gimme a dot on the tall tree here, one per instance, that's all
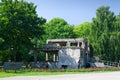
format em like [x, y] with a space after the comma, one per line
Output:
[115, 39]
[102, 27]
[19, 23]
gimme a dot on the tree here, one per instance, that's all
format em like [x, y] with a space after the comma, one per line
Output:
[83, 30]
[115, 39]
[19, 23]
[101, 33]
[58, 28]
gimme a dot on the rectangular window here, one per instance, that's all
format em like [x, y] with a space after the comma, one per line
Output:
[73, 44]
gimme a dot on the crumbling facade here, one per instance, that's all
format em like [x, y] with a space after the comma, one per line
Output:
[67, 53]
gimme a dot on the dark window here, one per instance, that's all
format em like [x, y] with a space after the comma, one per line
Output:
[80, 44]
[64, 66]
[73, 44]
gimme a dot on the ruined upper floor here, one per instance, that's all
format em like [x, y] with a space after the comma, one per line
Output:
[65, 43]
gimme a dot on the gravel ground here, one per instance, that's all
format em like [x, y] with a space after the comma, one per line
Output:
[86, 76]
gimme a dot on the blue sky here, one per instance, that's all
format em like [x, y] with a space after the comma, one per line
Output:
[73, 11]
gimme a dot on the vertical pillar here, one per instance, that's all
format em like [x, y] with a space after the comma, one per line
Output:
[46, 56]
[88, 51]
[78, 45]
[68, 44]
[57, 57]
[83, 45]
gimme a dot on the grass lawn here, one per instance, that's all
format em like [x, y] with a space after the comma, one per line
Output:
[45, 72]
[19, 73]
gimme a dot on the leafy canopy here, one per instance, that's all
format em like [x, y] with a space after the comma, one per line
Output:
[19, 23]
[83, 30]
[59, 28]
[105, 34]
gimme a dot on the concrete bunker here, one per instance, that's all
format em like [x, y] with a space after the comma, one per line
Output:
[67, 53]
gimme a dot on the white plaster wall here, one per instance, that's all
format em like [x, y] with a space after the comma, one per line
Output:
[68, 57]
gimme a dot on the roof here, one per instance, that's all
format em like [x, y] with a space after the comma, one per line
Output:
[67, 40]
[50, 47]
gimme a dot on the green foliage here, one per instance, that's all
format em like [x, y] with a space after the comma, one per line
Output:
[21, 30]
[58, 28]
[105, 34]
[19, 23]
[1, 41]
[5, 55]
[83, 30]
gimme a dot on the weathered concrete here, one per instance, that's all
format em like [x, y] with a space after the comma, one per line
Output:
[69, 53]
[69, 57]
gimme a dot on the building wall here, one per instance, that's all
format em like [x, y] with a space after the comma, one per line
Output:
[74, 53]
[68, 57]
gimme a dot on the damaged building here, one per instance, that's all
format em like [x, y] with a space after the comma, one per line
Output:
[67, 53]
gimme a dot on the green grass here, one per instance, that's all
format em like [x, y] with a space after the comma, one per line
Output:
[19, 73]
[45, 72]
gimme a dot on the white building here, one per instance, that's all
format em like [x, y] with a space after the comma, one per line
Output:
[67, 53]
